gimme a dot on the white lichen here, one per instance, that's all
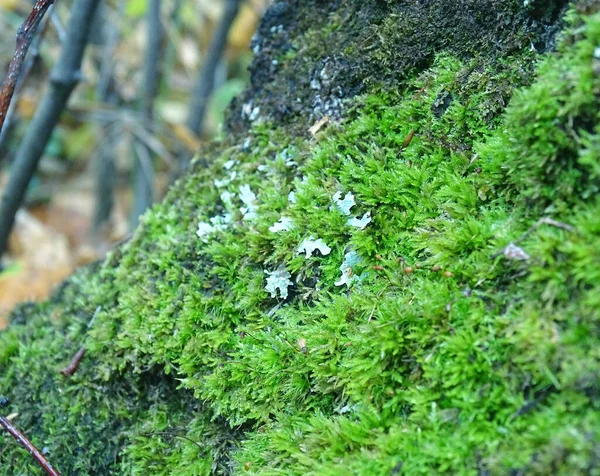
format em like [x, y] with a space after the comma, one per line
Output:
[351, 259]
[229, 164]
[278, 280]
[292, 197]
[288, 155]
[220, 183]
[310, 245]
[217, 223]
[204, 230]
[248, 198]
[360, 222]
[344, 204]
[249, 112]
[283, 224]
[227, 199]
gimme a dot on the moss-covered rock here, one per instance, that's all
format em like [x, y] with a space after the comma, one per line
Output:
[415, 290]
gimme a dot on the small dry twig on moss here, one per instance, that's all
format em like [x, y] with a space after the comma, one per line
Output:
[72, 367]
[74, 364]
[25, 443]
[25, 36]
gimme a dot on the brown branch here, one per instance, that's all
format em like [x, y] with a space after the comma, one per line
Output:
[25, 35]
[72, 367]
[74, 364]
[25, 443]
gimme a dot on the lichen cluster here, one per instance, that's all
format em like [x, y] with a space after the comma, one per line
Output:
[414, 291]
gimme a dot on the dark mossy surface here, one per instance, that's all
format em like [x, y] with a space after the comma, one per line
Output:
[418, 344]
[313, 55]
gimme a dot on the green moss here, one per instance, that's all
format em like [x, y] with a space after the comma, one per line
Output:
[442, 356]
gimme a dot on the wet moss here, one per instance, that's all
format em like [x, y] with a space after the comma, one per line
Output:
[449, 351]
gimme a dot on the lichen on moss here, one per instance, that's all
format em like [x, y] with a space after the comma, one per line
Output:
[411, 344]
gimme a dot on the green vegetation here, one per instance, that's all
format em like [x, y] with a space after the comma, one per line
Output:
[447, 351]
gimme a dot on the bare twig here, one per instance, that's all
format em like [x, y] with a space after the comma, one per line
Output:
[25, 36]
[74, 364]
[58, 27]
[206, 77]
[34, 53]
[64, 77]
[107, 93]
[25, 443]
[172, 33]
[143, 173]
[205, 82]
[144, 161]
[152, 143]
[153, 57]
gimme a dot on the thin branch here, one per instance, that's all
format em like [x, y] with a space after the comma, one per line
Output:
[70, 369]
[143, 174]
[107, 93]
[172, 33]
[64, 77]
[25, 36]
[205, 83]
[153, 57]
[206, 78]
[152, 143]
[25, 443]
[106, 80]
[143, 181]
[58, 26]
[34, 53]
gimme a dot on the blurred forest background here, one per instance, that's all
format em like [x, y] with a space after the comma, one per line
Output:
[131, 126]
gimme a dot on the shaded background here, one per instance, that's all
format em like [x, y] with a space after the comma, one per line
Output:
[58, 227]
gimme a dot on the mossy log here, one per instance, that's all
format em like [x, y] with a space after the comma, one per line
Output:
[410, 287]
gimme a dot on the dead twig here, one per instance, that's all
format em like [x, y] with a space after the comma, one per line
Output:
[70, 369]
[34, 55]
[25, 36]
[25, 443]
